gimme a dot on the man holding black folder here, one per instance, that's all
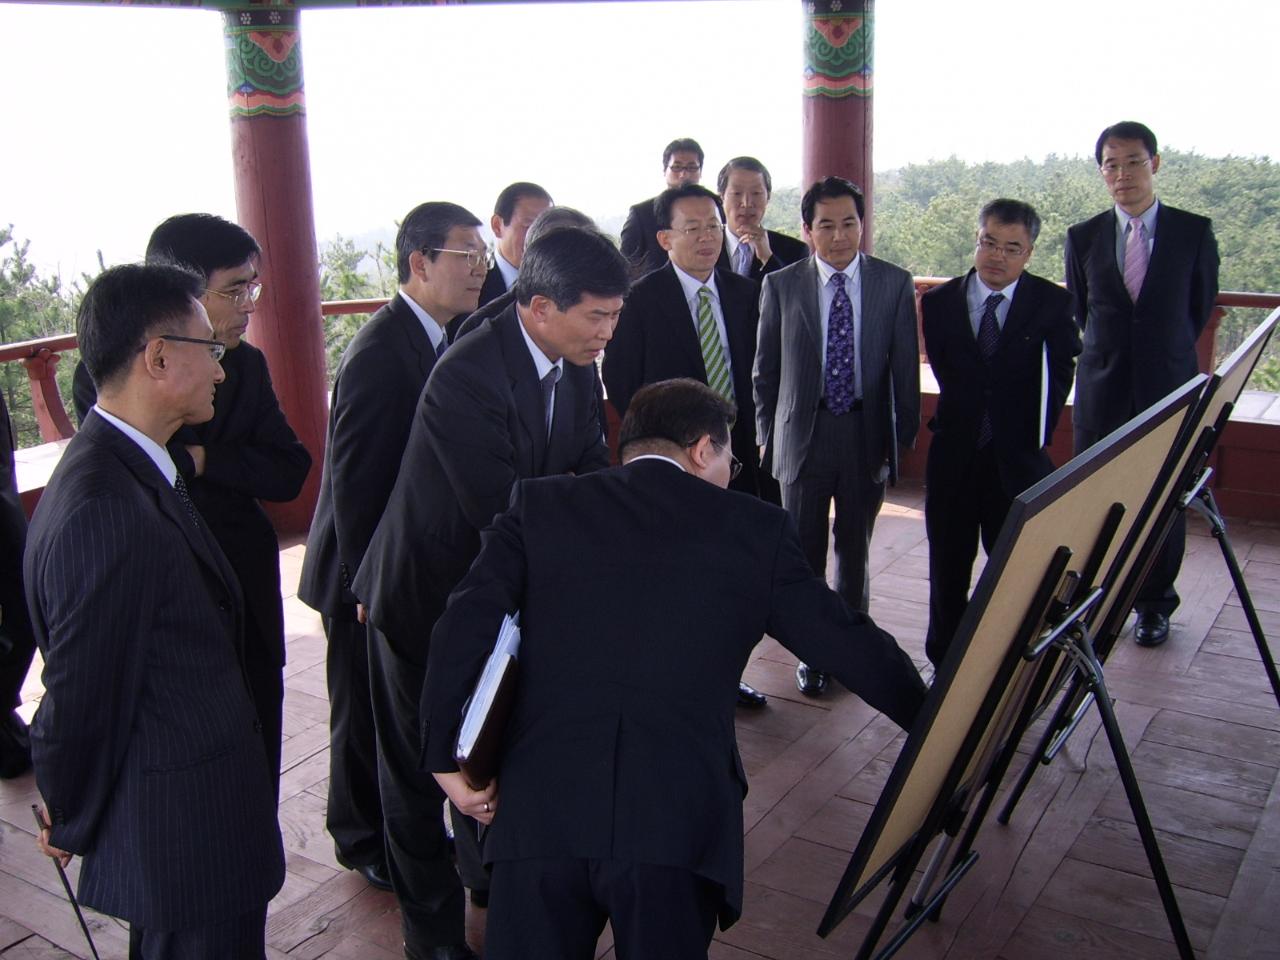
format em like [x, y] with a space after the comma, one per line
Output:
[619, 792]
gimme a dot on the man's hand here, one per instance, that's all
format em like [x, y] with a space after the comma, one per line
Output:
[362, 615]
[758, 239]
[480, 804]
[42, 840]
[197, 457]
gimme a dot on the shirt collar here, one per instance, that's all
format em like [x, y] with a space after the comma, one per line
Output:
[508, 271]
[691, 285]
[1148, 218]
[158, 454]
[982, 291]
[434, 329]
[540, 361]
[826, 271]
[658, 456]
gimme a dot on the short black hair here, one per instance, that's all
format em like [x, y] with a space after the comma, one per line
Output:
[743, 163]
[679, 412]
[829, 188]
[664, 203]
[564, 264]
[682, 145]
[425, 228]
[1013, 212]
[127, 305]
[556, 218]
[1126, 130]
[202, 241]
[505, 206]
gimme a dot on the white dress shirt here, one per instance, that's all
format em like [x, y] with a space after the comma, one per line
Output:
[158, 454]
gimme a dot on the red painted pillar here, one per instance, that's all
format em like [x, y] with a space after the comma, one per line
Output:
[273, 199]
[837, 95]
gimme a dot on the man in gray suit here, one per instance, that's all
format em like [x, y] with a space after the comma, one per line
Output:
[837, 387]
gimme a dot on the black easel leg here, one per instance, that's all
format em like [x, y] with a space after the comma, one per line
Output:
[1208, 508]
[1139, 808]
[1040, 755]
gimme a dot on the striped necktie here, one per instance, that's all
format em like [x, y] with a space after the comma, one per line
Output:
[718, 376]
[1136, 258]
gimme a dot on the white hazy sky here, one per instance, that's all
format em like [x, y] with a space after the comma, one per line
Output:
[116, 117]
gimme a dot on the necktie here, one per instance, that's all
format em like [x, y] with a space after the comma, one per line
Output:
[718, 375]
[441, 347]
[1136, 258]
[180, 488]
[839, 383]
[548, 396]
[988, 338]
[743, 258]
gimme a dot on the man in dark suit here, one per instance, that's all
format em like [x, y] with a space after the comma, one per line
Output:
[671, 328]
[517, 206]
[1002, 344]
[837, 384]
[1144, 276]
[619, 792]
[17, 642]
[246, 453]
[681, 164]
[515, 398]
[750, 250]
[147, 747]
[375, 392]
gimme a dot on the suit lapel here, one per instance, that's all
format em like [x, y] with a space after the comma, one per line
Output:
[1021, 310]
[737, 327]
[679, 321]
[416, 339]
[871, 337]
[1104, 247]
[526, 389]
[810, 312]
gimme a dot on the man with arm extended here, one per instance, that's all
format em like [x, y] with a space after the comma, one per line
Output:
[1002, 344]
[1144, 276]
[440, 261]
[837, 385]
[515, 398]
[619, 792]
[147, 748]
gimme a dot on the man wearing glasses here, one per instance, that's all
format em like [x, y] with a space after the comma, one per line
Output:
[514, 398]
[692, 319]
[681, 164]
[247, 452]
[1144, 276]
[837, 384]
[1002, 344]
[147, 744]
[440, 263]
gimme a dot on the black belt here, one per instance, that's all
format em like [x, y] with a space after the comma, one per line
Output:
[855, 407]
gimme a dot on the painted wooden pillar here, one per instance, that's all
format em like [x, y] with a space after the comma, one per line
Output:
[837, 95]
[273, 200]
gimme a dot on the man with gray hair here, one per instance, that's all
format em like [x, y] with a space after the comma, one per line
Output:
[1002, 344]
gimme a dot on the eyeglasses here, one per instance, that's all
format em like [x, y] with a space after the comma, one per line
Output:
[1113, 168]
[684, 167]
[1010, 250]
[712, 229]
[475, 258]
[242, 297]
[217, 349]
[735, 465]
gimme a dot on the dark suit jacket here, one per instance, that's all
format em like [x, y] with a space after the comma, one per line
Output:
[1039, 339]
[251, 454]
[16, 640]
[479, 427]
[786, 251]
[1135, 353]
[145, 744]
[626, 693]
[494, 288]
[788, 372]
[657, 339]
[639, 242]
[375, 392]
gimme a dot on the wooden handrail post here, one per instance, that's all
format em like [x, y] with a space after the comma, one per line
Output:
[46, 400]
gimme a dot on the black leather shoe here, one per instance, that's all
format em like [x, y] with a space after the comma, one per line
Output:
[749, 696]
[455, 951]
[376, 874]
[810, 682]
[480, 898]
[1152, 629]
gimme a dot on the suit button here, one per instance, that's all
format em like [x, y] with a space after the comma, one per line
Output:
[224, 606]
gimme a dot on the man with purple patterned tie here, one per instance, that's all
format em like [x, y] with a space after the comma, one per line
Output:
[837, 388]
[1144, 276]
[1002, 344]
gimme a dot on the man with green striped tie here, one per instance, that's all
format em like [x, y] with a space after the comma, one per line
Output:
[692, 319]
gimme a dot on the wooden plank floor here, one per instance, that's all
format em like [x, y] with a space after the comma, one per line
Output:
[1066, 879]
